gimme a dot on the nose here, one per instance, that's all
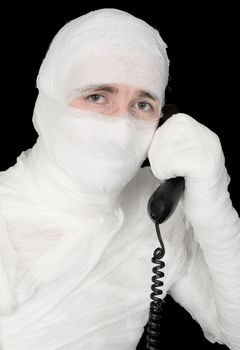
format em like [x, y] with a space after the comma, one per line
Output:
[120, 107]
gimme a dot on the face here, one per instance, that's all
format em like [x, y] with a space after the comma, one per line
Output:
[118, 99]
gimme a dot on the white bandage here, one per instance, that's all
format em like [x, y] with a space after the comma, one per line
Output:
[104, 46]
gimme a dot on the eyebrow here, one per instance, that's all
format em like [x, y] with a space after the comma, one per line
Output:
[113, 90]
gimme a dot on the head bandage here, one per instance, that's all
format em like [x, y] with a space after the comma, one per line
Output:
[104, 46]
[101, 47]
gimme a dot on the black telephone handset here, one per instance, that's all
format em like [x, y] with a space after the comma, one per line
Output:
[164, 199]
[160, 207]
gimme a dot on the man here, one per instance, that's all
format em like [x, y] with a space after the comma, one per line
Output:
[75, 236]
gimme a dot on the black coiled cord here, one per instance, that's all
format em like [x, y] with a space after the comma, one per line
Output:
[153, 329]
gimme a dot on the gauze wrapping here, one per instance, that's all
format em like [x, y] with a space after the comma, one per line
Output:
[90, 152]
[61, 203]
[94, 153]
[185, 147]
[217, 228]
[104, 46]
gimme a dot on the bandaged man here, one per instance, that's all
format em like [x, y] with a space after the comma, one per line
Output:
[76, 240]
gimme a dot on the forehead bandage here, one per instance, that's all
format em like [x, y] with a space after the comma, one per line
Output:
[102, 47]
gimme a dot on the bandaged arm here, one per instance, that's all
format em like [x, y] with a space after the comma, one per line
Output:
[8, 262]
[209, 283]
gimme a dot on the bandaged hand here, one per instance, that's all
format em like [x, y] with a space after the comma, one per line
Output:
[184, 147]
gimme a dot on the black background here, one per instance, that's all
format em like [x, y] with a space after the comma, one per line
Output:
[202, 47]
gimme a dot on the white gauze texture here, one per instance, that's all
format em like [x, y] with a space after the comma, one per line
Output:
[185, 147]
[104, 46]
[61, 203]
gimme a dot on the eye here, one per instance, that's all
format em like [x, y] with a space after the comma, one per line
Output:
[144, 106]
[96, 98]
